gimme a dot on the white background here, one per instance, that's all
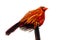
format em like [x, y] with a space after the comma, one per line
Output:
[11, 11]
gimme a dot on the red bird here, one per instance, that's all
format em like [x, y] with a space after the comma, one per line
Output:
[31, 20]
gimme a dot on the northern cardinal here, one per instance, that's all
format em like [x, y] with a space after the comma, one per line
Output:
[31, 20]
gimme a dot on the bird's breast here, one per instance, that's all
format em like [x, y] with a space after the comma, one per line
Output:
[41, 19]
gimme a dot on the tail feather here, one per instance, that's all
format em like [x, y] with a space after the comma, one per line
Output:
[12, 29]
[21, 25]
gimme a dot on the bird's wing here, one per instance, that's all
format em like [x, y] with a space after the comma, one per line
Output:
[27, 15]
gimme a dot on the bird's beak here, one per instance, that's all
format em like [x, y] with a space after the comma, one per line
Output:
[45, 8]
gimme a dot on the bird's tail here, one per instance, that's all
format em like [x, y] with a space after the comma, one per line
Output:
[21, 25]
[13, 28]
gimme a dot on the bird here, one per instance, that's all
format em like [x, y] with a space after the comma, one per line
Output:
[31, 20]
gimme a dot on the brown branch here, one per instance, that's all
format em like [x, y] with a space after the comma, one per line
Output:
[37, 34]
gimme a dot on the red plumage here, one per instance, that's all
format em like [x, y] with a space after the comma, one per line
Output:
[31, 20]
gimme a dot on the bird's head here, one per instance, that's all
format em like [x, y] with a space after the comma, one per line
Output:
[43, 8]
